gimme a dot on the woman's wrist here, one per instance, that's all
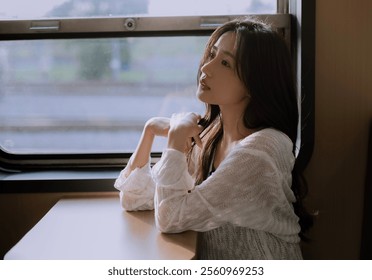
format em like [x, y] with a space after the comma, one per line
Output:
[176, 141]
[142, 153]
[148, 130]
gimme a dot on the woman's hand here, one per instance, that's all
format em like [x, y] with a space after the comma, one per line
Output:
[158, 126]
[183, 128]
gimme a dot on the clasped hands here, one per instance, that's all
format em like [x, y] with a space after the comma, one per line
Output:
[180, 129]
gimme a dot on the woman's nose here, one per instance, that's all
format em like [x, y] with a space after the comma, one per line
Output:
[206, 69]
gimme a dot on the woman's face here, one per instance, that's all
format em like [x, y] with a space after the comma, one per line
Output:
[219, 83]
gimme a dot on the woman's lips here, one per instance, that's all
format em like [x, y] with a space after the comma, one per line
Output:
[204, 86]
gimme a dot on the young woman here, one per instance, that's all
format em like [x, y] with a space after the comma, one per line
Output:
[230, 175]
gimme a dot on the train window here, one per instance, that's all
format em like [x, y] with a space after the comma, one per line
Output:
[79, 78]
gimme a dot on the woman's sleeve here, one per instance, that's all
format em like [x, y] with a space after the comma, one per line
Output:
[136, 188]
[246, 190]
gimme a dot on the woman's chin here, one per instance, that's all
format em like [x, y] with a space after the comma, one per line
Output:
[202, 96]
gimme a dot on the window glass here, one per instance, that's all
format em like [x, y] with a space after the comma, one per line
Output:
[93, 95]
[88, 8]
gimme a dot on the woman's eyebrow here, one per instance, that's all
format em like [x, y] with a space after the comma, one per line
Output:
[214, 48]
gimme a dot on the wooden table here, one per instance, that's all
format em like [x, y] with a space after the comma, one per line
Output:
[97, 228]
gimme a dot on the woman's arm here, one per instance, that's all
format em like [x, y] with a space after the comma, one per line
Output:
[157, 126]
[135, 182]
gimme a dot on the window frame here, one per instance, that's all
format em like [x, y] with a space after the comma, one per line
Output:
[295, 19]
[73, 28]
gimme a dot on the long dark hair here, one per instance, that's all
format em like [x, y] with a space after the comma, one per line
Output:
[263, 64]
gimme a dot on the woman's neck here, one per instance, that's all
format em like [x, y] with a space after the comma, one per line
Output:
[233, 132]
[233, 127]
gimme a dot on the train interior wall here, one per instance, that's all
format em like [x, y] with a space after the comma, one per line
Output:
[337, 170]
[336, 173]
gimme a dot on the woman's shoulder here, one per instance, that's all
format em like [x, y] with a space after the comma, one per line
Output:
[268, 140]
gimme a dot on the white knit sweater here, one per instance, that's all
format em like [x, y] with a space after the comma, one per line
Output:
[242, 211]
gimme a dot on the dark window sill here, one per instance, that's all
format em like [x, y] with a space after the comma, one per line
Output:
[58, 181]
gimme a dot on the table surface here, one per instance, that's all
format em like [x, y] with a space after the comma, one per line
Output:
[98, 228]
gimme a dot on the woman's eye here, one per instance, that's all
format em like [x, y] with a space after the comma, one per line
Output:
[225, 63]
[211, 55]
